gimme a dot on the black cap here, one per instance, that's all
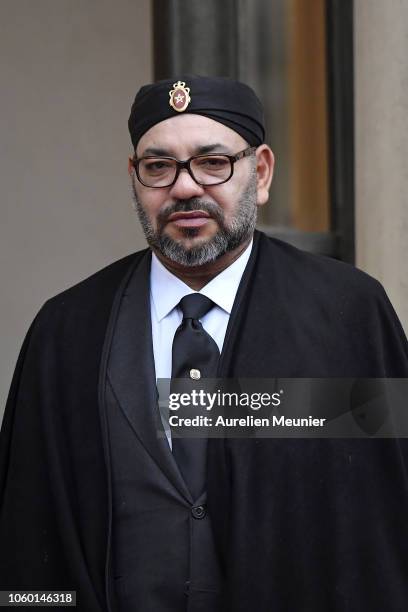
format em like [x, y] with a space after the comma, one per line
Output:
[225, 100]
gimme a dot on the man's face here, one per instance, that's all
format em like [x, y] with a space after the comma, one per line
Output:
[186, 222]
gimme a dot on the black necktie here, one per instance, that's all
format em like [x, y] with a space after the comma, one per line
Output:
[195, 356]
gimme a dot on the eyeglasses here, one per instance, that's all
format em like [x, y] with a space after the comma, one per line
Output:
[205, 170]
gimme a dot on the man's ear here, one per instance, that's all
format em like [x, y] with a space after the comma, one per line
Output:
[130, 166]
[264, 172]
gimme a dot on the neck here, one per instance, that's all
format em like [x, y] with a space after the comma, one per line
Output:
[197, 277]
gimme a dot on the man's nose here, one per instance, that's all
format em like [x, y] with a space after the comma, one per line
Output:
[185, 187]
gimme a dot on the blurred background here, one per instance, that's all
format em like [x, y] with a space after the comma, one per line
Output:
[333, 77]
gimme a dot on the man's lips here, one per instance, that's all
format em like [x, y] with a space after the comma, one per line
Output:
[192, 218]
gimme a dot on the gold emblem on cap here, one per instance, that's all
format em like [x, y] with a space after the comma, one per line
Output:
[179, 96]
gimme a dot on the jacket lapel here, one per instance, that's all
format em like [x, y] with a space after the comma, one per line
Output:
[131, 372]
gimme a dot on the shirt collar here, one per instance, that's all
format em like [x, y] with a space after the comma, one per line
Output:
[167, 289]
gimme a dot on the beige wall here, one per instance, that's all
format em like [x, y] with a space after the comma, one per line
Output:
[381, 90]
[68, 71]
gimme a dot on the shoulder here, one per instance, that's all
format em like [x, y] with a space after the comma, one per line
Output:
[316, 274]
[102, 280]
[334, 301]
[308, 284]
[91, 299]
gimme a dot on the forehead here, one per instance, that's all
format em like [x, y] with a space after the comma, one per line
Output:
[188, 133]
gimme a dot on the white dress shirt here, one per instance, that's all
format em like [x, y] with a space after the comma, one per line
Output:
[166, 291]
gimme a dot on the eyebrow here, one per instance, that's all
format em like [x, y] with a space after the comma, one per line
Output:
[199, 150]
[212, 148]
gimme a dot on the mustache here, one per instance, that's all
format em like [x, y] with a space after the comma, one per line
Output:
[213, 210]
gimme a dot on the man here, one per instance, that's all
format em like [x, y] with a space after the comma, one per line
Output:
[94, 500]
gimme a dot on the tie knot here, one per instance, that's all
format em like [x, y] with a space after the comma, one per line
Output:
[195, 305]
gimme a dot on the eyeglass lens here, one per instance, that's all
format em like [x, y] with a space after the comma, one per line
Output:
[207, 170]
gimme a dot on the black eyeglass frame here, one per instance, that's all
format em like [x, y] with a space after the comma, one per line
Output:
[186, 164]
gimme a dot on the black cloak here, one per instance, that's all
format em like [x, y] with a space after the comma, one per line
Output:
[301, 525]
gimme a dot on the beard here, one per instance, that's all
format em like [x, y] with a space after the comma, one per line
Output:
[228, 237]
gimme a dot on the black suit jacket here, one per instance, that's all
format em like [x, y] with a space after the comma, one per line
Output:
[274, 504]
[163, 557]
